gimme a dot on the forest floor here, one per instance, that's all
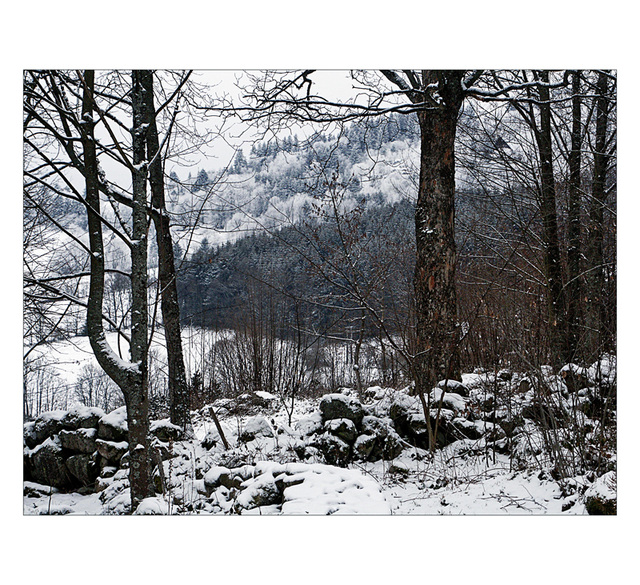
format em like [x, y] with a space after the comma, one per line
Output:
[466, 477]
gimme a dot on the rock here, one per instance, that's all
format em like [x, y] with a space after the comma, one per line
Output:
[165, 431]
[211, 439]
[37, 490]
[154, 506]
[84, 468]
[387, 443]
[399, 468]
[108, 471]
[112, 451]
[376, 426]
[124, 460]
[82, 417]
[284, 481]
[342, 428]
[449, 400]
[29, 435]
[221, 476]
[82, 440]
[504, 375]
[364, 446]
[257, 426]
[310, 425]
[113, 426]
[261, 491]
[264, 399]
[334, 450]
[468, 429]
[333, 406]
[47, 465]
[454, 386]
[47, 425]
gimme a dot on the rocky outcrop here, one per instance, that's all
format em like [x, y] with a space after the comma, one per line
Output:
[83, 448]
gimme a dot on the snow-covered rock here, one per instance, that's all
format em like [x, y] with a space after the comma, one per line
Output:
[257, 426]
[333, 406]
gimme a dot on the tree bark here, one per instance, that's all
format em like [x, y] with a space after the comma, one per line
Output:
[179, 395]
[138, 398]
[131, 377]
[552, 264]
[437, 336]
[595, 254]
[574, 230]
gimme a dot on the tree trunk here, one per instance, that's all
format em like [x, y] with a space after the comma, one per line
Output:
[595, 255]
[574, 232]
[552, 264]
[138, 399]
[179, 395]
[437, 339]
[131, 377]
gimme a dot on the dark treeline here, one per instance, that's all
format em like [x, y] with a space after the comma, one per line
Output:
[300, 270]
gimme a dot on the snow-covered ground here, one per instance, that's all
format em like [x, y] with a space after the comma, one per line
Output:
[464, 478]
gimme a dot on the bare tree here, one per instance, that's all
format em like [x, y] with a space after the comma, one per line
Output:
[64, 110]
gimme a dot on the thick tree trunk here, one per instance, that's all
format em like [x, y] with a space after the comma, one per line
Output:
[179, 396]
[552, 264]
[437, 335]
[574, 231]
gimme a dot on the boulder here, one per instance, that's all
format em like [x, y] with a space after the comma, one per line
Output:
[574, 377]
[112, 451]
[342, 428]
[47, 465]
[221, 476]
[334, 450]
[453, 386]
[47, 425]
[211, 439]
[29, 434]
[364, 447]
[257, 426]
[309, 425]
[165, 430]
[83, 468]
[333, 406]
[36, 490]
[261, 491]
[82, 440]
[379, 440]
[113, 426]
[82, 417]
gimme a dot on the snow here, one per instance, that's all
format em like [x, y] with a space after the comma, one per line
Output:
[468, 477]
[152, 507]
[117, 418]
